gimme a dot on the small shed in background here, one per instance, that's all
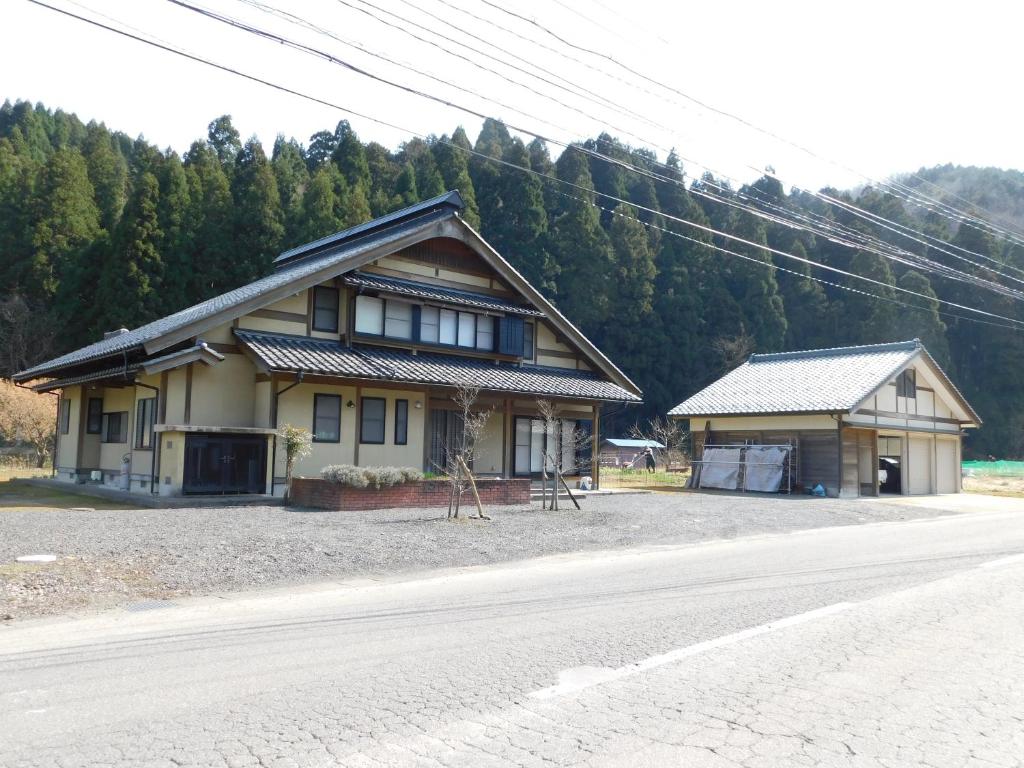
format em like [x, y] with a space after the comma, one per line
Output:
[620, 451]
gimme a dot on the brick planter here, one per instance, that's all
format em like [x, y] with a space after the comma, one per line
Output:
[314, 492]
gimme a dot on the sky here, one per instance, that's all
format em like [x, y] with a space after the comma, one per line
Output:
[837, 93]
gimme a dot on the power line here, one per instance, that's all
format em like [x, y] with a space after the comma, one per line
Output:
[352, 112]
[243, 26]
[963, 217]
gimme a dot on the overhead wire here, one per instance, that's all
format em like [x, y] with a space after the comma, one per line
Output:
[912, 196]
[1016, 324]
[933, 267]
[853, 209]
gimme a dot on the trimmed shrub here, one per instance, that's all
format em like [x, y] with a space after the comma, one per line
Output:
[372, 477]
[383, 477]
[344, 474]
[411, 475]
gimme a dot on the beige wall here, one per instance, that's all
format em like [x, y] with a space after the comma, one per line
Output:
[223, 394]
[175, 411]
[760, 423]
[389, 454]
[295, 407]
[489, 448]
[262, 393]
[544, 340]
[115, 400]
[67, 445]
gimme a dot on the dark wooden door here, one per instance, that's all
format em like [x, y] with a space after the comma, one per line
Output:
[225, 464]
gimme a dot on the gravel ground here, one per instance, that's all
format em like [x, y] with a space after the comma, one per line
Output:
[118, 556]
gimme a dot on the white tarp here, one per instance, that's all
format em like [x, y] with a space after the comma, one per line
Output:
[720, 468]
[763, 468]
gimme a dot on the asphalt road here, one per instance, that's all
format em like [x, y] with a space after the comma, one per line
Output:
[885, 644]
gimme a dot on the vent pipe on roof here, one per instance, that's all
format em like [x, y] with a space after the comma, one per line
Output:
[112, 334]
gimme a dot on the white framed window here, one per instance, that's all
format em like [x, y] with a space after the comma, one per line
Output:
[449, 326]
[369, 315]
[467, 329]
[430, 325]
[398, 320]
[485, 333]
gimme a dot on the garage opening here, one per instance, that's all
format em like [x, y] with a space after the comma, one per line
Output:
[890, 460]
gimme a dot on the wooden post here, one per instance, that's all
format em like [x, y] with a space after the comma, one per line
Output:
[472, 487]
[508, 440]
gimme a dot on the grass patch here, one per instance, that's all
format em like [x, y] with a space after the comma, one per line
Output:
[612, 477]
[994, 485]
[15, 495]
[14, 473]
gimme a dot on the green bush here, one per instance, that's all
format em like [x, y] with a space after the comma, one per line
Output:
[372, 477]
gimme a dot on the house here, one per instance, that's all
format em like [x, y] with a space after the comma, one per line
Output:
[618, 451]
[856, 420]
[362, 337]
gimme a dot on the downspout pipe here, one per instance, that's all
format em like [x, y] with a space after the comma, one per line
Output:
[153, 477]
[273, 459]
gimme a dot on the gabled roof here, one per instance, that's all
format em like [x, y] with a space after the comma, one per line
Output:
[450, 201]
[311, 264]
[435, 293]
[331, 358]
[257, 294]
[619, 442]
[812, 381]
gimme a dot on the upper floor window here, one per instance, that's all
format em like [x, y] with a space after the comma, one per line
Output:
[429, 325]
[528, 341]
[906, 383]
[369, 315]
[325, 309]
[398, 320]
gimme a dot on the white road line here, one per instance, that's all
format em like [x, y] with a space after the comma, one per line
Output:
[581, 678]
[1003, 561]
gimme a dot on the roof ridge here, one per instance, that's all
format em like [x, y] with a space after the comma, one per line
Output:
[892, 346]
[450, 199]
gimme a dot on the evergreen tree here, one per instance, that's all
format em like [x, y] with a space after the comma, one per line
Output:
[292, 177]
[66, 222]
[453, 165]
[224, 139]
[108, 172]
[865, 319]
[320, 204]
[924, 323]
[211, 216]
[131, 275]
[175, 239]
[405, 187]
[258, 222]
[581, 252]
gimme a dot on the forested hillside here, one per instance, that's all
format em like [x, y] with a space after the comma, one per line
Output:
[98, 231]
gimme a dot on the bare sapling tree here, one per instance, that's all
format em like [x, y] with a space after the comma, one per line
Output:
[458, 457]
[667, 432]
[565, 441]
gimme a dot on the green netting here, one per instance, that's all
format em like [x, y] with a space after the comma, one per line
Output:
[997, 468]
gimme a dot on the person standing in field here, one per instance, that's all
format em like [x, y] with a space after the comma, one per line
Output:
[649, 459]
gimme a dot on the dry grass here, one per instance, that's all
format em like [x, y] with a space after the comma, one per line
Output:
[612, 477]
[995, 486]
[14, 473]
[74, 584]
[16, 495]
